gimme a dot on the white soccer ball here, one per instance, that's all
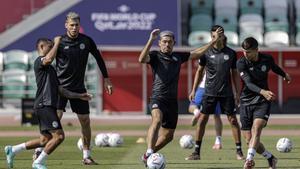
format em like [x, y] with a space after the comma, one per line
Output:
[156, 161]
[80, 144]
[284, 145]
[186, 142]
[115, 140]
[101, 140]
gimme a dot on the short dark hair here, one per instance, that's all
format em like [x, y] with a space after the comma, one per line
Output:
[40, 40]
[215, 27]
[250, 43]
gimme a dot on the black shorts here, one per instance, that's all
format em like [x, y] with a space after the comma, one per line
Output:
[169, 109]
[209, 104]
[78, 106]
[250, 112]
[48, 119]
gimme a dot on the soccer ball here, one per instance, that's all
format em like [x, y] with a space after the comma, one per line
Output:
[156, 161]
[80, 144]
[284, 145]
[115, 140]
[186, 142]
[101, 140]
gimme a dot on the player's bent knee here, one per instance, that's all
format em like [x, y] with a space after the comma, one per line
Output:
[234, 122]
[84, 120]
[44, 140]
[156, 121]
[60, 138]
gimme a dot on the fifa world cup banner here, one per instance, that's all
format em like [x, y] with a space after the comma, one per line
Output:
[111, 22]
[129, 22]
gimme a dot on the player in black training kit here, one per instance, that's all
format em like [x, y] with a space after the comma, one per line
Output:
[256, 98]
[45, 106]
[219, 63]
[71, 61]
[165, 68]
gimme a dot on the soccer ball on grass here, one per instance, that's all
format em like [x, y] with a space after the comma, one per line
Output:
[186, 142]
[156, 161]
[284, 145]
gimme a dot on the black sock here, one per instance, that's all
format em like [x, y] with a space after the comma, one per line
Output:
[198, 147]
[271, 158]
[238, 147]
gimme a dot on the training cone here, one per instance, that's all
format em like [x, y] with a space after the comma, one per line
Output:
[140, 140]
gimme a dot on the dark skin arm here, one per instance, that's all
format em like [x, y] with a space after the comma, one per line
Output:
[72, 95]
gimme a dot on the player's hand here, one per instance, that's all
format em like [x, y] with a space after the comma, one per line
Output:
[154, 34]
[86, 96]
[217, 34]
[108, 86]
[192, 96]
[287, 78]
[270, 96]
[57, 39]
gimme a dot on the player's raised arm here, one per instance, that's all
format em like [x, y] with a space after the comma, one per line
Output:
[47, 60]
[197, 53]
[144, 55]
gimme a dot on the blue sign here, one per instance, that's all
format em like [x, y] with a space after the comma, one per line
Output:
[111, 22]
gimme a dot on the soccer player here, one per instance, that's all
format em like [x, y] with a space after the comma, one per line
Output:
[165, 68]
[256, 98]
[45, 104]
[219, 63]
[196, 98]
[195, 103]
[71, 61]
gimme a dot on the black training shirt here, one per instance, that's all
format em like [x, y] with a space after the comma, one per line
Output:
[47, 84]
[71, 60]
[218, 64]
[166, 69]
[255, 77]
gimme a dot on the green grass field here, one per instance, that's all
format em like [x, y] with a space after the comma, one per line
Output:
[67, 156]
